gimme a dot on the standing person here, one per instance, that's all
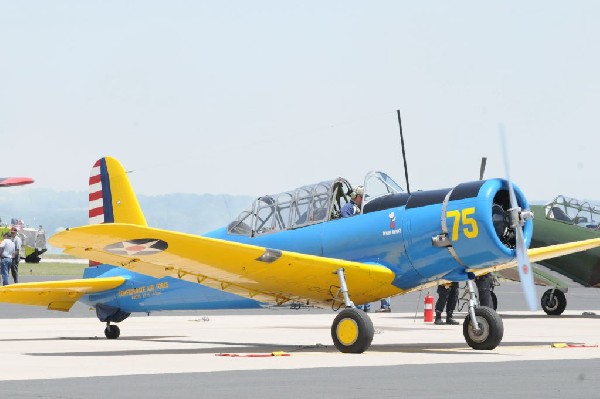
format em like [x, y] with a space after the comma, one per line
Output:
[384, 306]
[484, 287]
[7, 249]
[353, 207]
[448, 297]
[14, 268]
[366, 307]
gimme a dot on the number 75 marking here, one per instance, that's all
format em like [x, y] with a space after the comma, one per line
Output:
[470, 229]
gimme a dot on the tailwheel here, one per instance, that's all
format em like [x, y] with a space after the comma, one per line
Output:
[554, 302]
[112, 331]
[490, 332]
[352, 331]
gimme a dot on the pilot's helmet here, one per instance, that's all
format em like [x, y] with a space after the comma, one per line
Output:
[358, 190]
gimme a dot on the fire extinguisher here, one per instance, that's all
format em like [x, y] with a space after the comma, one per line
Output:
[428, 311]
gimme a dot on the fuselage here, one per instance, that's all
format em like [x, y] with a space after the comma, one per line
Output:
[142, 293]
[397, 231]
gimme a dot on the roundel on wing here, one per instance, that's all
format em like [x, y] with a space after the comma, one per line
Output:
[140, 246]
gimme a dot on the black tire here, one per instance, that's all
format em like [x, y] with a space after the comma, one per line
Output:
[352, 331]
[555, 306]
[494, 300]
[112, 331]
[490, 326]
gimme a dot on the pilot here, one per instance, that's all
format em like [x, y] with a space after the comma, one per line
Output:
[353, 207]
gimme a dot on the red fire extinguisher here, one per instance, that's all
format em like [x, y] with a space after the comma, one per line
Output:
[428, 311]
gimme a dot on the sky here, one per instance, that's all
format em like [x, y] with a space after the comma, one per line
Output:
[257, 97]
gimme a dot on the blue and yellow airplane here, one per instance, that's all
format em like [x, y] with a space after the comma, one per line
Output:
[294, 247]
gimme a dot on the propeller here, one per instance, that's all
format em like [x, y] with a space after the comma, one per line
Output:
[517, 220]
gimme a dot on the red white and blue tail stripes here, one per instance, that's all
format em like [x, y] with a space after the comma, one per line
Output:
[101, 209]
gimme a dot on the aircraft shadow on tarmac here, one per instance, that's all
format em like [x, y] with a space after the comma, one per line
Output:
[241, 348]
[517, 316]
[545, 316]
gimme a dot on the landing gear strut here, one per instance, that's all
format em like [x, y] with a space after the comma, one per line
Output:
[352, 330]
[483, 328]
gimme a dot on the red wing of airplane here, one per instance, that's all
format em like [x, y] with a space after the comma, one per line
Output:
[15, 181]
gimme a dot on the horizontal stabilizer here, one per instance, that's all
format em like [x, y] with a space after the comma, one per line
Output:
[56, 295]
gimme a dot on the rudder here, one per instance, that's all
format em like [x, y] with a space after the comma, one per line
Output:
[111, 197]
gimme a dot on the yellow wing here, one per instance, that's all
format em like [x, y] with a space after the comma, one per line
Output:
[56, 295]
[543, 253]
[251, 271]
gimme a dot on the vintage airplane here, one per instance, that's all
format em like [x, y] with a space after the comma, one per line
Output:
[34, 240]
[294, 247]
[15, 181]
[561, 220]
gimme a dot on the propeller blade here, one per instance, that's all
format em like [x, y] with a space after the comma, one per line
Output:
[517, 222]
[482, 167]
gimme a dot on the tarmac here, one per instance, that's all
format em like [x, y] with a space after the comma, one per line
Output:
[284, 352]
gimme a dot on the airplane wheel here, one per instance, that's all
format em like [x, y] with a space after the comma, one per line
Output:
[491, 329]
[494, 300]
[112, 331]
[352, 331]
[556, 305]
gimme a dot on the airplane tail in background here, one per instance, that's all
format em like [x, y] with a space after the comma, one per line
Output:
[112, 199]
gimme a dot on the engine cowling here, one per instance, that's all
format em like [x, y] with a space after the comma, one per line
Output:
[467, 226]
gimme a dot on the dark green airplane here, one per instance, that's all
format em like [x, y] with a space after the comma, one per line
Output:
[562, 220]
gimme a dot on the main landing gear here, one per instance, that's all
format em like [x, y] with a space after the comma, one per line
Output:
[352, 330]
[554, 302]
[483, 328]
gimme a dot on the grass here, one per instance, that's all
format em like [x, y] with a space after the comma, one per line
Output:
[51, 269]
[53, 265]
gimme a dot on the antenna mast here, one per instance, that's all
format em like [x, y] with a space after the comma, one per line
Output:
[403, 153]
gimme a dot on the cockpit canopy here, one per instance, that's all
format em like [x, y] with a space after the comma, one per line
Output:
[573, 211]
[307, 205]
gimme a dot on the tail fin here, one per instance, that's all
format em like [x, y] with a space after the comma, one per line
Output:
[112, 199]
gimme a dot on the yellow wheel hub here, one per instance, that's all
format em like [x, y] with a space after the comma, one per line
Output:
[347, 331]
